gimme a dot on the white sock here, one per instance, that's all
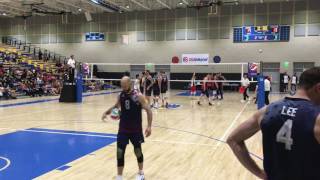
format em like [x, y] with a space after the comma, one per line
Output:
[119, 177]
[141, 172]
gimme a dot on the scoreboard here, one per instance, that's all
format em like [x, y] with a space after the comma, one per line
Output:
[269, 33]
[95, 36]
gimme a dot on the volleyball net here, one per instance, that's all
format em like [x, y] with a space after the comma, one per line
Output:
[99, 76]
[179, 75]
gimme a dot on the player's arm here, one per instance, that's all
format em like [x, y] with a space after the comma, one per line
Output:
[317, 129]
[146, 107]
[116, 105]
[237, 142]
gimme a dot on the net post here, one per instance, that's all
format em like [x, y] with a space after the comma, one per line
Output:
[242, 71]
[79, 87]
[91, 71]
[260, 93]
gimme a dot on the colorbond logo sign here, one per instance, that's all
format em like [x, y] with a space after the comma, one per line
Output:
[195, 58]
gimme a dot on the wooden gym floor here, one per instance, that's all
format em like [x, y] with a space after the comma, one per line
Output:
[187, 143]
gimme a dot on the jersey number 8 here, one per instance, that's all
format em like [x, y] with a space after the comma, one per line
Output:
[284, 134]
[127, 104]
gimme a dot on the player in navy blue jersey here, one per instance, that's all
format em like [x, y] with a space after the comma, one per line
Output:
[291, 134]
[131, 103]
[148, 86]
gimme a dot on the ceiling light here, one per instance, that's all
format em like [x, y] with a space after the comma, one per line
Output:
[127, 6]
[180, 3]
[79, 9]
[4, 14]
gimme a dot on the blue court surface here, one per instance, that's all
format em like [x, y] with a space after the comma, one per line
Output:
[27, 154]
[187, 93]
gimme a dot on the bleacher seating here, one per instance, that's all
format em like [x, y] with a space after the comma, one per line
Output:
[13, 59]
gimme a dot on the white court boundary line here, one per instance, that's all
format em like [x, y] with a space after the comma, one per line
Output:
[7, 165]
[222, 138]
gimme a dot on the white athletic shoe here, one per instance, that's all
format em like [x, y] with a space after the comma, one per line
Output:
[242, 101]
[119, 178]
[140, 177]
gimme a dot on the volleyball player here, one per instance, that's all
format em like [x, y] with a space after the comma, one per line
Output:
[286, 79]
[164, 89]
[209, 86]
[148, 86]
[130, 127]
[214, 86]
[220, 78]
[290, 134]
[245, 83]
[193, 88]
[156, 91]
[204, 90]
[136, 85]
[294, 81]
[142, 83]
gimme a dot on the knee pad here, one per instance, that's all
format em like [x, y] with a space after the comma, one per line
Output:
[138, 153]
[120, 155]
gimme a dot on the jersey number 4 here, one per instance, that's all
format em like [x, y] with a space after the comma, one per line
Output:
[284, 134]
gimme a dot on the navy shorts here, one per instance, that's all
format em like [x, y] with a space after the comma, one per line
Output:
[135, 138]
[156, 92]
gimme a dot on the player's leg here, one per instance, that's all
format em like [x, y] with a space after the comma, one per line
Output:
[156, 101]
[201, 97]
[215, 94]
[148, 97]
[209, 96]
[220, 92]
[285, 87]
[193, 91]
[266, 93]
[164, 99]
[244, 95]
[139, 156]
[121, 149]
[137, 139]
[122, 141]
[158, 96]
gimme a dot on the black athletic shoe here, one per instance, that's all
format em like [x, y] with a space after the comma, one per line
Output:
[199, 103]
[210, 104]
